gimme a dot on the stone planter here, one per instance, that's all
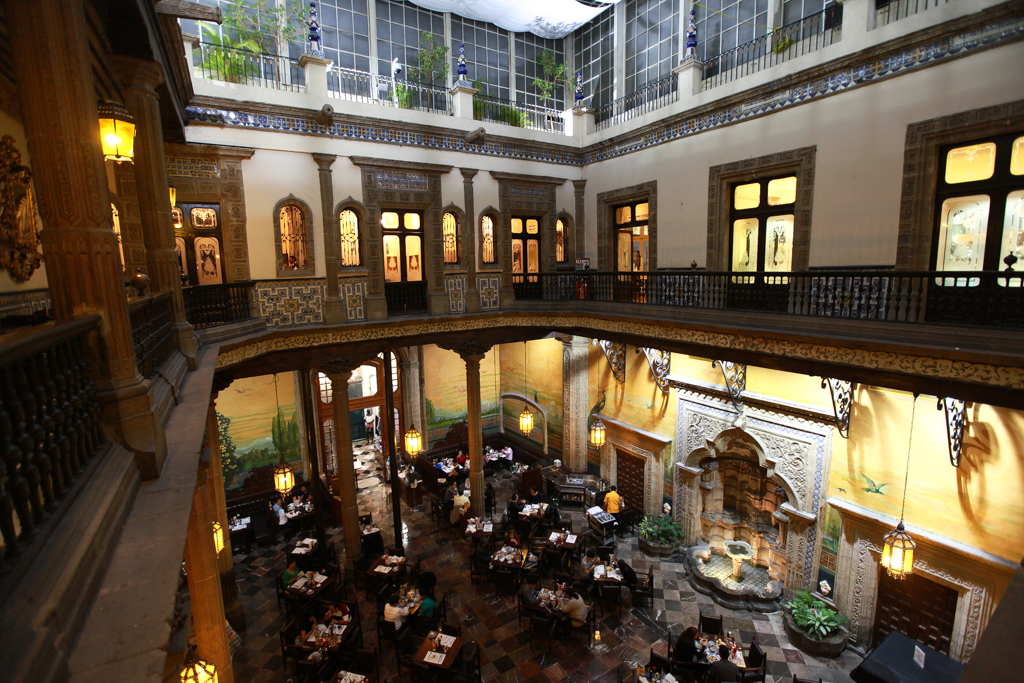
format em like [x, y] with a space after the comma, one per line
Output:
[831, 647]
[658, 549]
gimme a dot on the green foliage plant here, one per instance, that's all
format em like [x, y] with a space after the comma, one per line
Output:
[431, 61]
[230, 466]
[814, 617]
[265, 23]
[228, 59]
[662, 529]
[553, 76]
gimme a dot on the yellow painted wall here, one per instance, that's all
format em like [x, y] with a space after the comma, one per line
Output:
[541, 361]
[444, 387]
[981, 503]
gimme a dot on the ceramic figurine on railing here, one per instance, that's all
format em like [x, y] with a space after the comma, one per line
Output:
[316, 44]
[461, 70]
[691, 37]
[579, 90]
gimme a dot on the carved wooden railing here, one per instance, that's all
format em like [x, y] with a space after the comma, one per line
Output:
[978, 299]
[207, 305]
[49, 424]
[151, 331]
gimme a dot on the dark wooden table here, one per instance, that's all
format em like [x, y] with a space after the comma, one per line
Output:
[340, 677]
[893, 660]
[449, 657]
[564, 545]
[301, 592]
[517, 561]
[392, 570]
[606, 579]
[345, 636]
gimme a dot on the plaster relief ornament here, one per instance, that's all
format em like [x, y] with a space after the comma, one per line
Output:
[19, 240]
[316, 45]
[824, 587]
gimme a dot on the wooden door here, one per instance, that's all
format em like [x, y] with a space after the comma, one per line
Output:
[916, 607]
[630, 479]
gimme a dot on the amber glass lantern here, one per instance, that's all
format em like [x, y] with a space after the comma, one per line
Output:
[117, 131]
[284, 477]
[597, 432]
[173, 193]
[198, 671]
[898, 552]
[413, 442]
[526, 421]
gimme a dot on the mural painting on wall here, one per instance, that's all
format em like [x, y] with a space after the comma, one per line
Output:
[253, 430]
[444, 376]
[540, 371]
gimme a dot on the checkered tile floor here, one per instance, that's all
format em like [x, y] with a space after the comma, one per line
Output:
[507, 655]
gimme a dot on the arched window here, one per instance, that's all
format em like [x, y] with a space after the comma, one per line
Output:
[451, 234]
[560, 241]
[330, 447]
[487, 239]
[293, 238]
[349, 224]
[115, 220]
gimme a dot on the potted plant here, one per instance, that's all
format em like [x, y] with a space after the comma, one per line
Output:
[660, 535]
[814, 627]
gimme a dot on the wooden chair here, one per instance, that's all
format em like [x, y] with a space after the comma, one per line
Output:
[757, 663]
[543, 627]
[612, 595]
[711, 626]
[644, 589]
[661, 663]
[424, 673]
[588, 627]
[505, 578]
[386, 632]
[366, 663]
[466, 668]
[479, 568]
[407, 648]
[361, 567]
[605, 551]
[451, 629]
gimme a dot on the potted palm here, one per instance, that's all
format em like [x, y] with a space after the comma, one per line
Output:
[814, 627]
[660, 536]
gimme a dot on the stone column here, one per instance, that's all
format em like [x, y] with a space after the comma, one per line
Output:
[411, 396]
[83, 265]
[472, 353]
[338, 370]
[575, 392]
[140, 79]
[225, 558]
[334, 307]
[469, 242]
[580, 238]
[204, 586]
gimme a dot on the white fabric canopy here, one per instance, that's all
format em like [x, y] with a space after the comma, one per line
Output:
[545, 18]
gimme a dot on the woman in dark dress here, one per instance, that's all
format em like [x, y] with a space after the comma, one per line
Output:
[685, 650]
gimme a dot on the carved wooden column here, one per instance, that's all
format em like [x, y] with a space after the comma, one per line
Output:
[469, 242]
[338, 370]
[204, 585]
[575, 394]
[472, 353]
[58, 105]
[225, 558]
[334, 306]
[580, 238]
[140, 79]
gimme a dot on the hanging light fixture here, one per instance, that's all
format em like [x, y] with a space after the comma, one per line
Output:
[197, 670]
[117, 131]
[218, 537]
[284, 475]
[176, 217]
[413, 442]
[525, 417]
[897, 545]
[597, 428]
[173, 192]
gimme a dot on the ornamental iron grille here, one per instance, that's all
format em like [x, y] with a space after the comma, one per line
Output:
[735, 375]
[956, 417]
[616, 355]
[842, 401]
[487, 237]
[660, 363]
[349, 225]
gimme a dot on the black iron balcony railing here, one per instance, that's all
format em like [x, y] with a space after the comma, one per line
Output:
[151, 331]
[49, 425]
[235, 65]
[654, 95]
[519, 114]
[406, 297]
[207, 305]
[978, 299]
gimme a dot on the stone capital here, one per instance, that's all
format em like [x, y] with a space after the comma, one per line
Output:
[341, 365]
[469, 350]
[324, 161]
[313, 59]
[468, 174]
[579, 185]
[137, 74]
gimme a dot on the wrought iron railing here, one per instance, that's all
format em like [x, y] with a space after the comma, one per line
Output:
[234, 65]
[888, 11]
[151, 331]
[785, 43]
[979, 299]
[49, 426]
[207, 305]
[406, 297]
[654, 95]
[519, 114]
[360, 86]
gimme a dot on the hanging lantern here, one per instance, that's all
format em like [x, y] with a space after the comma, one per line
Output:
[526, 421]
[218, 537]
[174, 195]
[176, 217]
[597, 432]
[198, 671]
[117, 131]
[898, 552]
[284, 477]
[413, 442]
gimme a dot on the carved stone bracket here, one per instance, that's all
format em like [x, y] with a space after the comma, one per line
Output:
[735, 375]
[469, 348]
[956, 415]
[660, 363]
[19, 239]
[616, 355]
[842, 398]
[341, 365]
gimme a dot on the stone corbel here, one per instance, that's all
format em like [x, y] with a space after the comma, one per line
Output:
[799, 519]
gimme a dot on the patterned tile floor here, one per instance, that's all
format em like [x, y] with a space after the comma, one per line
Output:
[507, 654]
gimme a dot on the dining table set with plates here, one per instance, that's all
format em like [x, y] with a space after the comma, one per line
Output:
[309, 584]
[510, 556]
[534, 511]
[562, 539]
[439, 649]
[607, 573]
[349, 677]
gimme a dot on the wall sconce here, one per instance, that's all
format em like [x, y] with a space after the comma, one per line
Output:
[117, 131]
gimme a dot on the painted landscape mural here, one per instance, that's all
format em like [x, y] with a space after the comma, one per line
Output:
[537, 368]
[444, 378]
[253, 431]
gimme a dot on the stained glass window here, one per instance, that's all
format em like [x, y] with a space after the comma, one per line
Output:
[487, 239]
[293, 238]
[971, 163]
[349, 238]
[962, 233]
[560, 241]
[450, 236]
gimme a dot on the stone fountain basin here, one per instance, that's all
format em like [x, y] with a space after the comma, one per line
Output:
[738, 550]
[766, 601]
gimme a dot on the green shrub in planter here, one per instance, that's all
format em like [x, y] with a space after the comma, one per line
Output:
[811, 615]
[662, 529]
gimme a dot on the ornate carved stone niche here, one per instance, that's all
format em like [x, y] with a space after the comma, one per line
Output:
[772, 473]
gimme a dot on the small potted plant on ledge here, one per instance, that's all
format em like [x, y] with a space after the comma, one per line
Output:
[815, 628]
[660, 536]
